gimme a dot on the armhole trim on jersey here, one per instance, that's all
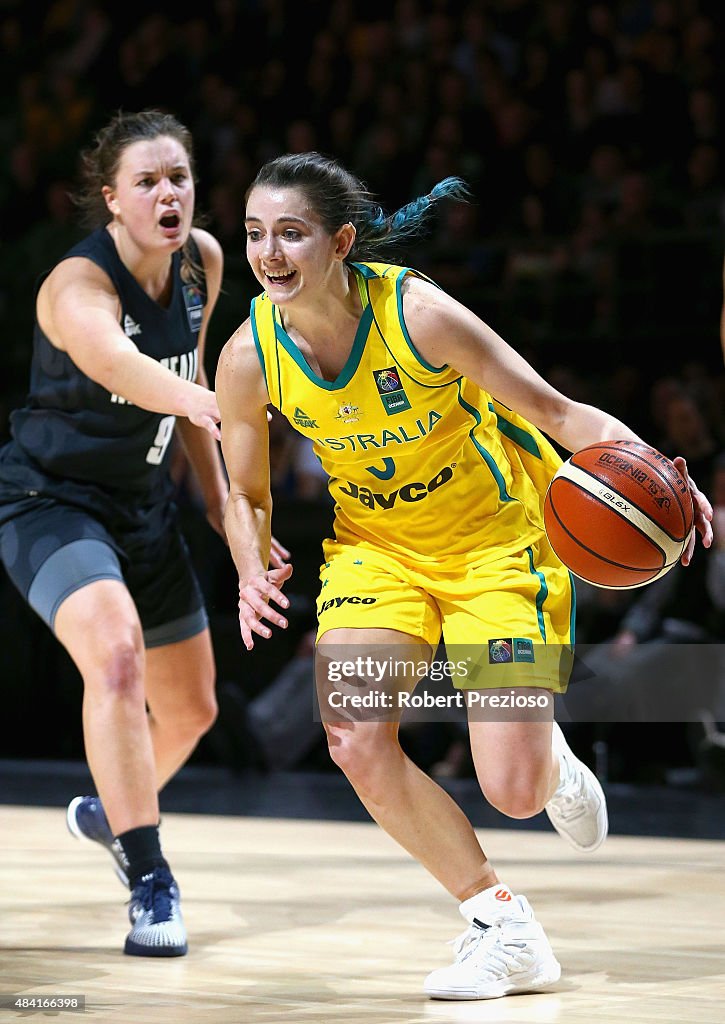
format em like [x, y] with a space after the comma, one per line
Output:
[257, 345]
[516, 434]
[401, 319]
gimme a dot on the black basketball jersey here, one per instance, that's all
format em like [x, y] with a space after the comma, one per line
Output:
[73, 428]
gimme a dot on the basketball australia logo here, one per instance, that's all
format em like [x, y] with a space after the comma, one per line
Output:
[391, 391]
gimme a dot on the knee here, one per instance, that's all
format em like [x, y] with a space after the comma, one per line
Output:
[204, 714]
[516, 797]
[192, 717]
[119, 673]
[362, 753]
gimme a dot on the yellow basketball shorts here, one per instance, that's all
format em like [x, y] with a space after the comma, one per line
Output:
[505, 622]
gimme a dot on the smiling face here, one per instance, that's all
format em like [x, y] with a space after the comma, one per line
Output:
[288, 248]
[153, 195]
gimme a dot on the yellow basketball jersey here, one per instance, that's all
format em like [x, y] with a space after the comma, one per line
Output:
[422, 463]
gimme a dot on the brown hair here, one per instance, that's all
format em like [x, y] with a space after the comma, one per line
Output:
[338, 196]
[100, 163]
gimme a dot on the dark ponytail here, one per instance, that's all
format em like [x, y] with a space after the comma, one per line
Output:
[338, 198]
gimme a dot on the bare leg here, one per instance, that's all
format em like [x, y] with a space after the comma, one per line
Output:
[515, 766]
[99, 627]
[180, 696]
[402, 799]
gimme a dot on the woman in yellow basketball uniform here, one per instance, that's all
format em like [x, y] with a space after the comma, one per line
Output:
[438, 489]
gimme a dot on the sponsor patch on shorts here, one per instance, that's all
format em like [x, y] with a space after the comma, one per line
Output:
[507, 649]
[523, 649]
[500, 651]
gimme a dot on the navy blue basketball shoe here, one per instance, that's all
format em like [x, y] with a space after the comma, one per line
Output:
[154, 911]
[87, 820]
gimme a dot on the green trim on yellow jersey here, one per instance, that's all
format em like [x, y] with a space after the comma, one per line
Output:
[351, 364]
[521, 437]
[422, 463]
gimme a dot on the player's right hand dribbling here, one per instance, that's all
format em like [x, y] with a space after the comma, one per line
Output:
[255, 595]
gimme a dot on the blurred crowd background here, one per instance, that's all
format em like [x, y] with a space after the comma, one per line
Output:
[591, 136]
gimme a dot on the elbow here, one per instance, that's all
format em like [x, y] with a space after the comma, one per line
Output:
[255, 502]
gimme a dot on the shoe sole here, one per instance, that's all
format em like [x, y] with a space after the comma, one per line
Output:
[132, 948]
[74, 829]
[545, 975]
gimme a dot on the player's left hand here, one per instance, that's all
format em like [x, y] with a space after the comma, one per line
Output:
[703, 513]
[279, 556]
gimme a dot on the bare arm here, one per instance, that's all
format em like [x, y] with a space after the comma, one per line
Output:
[447, 333]
[78, 309]
[243, 401]
[201, 448]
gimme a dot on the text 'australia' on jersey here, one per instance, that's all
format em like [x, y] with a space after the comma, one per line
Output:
[72, 427]
[421, 461]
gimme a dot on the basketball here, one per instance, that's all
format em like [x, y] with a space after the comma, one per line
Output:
[618, 514]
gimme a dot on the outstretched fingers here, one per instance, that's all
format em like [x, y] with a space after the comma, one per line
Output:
[278, 554]
[702, 511]
[257, 600]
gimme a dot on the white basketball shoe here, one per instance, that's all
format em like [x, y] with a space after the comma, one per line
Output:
[503, 950]
[578, 808]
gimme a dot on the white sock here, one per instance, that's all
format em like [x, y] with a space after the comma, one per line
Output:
[489, 904]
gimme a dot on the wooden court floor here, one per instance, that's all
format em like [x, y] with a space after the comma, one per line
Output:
[300, 922]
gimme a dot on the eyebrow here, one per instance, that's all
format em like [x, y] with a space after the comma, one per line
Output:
[175, 167]
[283, 218]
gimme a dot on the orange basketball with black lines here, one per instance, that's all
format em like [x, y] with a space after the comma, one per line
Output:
[618, 514]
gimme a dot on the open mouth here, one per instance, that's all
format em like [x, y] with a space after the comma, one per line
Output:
[170, 221]
[281, 279]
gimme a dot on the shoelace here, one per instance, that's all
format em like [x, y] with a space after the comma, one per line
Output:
[569, 803]
[154, 894]
[475, 941]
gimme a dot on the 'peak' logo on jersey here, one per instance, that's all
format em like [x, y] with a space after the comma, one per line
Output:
[130, 327]
[391, 391]
[303, 420]
[503, 895]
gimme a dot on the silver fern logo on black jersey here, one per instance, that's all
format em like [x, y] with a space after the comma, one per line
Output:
[409, 493]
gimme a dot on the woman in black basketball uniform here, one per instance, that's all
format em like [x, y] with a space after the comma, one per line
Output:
[87, 521]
